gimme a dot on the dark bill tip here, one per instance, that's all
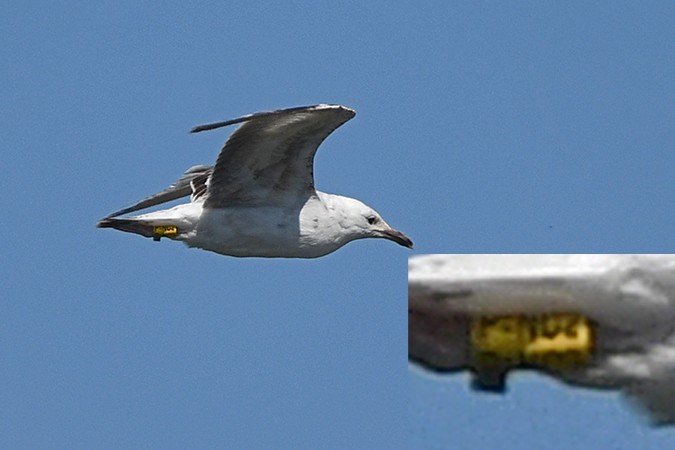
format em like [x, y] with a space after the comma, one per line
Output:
[398, 237]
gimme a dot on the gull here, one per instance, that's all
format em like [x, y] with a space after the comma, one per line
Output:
[259, 198]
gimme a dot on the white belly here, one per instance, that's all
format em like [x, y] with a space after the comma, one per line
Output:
[265, 232]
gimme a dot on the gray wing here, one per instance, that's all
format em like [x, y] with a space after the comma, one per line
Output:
[269, 160]
[192, 182]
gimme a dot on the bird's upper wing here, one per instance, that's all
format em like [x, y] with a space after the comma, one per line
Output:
[189, 183]
[269, 160]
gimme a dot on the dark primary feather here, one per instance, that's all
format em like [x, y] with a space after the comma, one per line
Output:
[246, 118]
[181, 188]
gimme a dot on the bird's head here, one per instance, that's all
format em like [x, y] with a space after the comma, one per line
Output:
[365, 222]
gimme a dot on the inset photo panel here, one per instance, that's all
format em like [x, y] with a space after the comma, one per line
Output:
[589, 322]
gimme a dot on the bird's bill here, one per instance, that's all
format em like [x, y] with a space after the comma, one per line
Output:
[397, 236]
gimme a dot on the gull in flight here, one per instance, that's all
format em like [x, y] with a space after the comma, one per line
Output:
[259, 198]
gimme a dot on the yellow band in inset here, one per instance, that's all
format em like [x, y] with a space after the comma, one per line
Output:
[166, 230]
[556, 341]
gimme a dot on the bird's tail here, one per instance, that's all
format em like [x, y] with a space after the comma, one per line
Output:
[145, 228]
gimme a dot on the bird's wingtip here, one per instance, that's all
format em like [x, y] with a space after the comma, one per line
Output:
[106, 222]
[323, 106]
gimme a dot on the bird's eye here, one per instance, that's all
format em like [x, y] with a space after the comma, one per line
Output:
[372, 220]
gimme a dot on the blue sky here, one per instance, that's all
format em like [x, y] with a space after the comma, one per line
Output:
[481, 127]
